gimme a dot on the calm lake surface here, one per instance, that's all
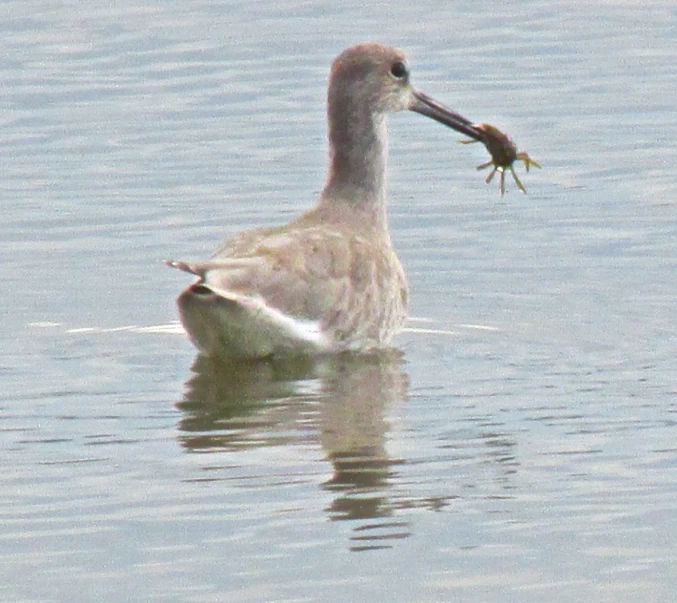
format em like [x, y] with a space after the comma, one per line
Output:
[520, 446]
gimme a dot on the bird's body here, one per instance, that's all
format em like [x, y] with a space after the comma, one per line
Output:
[312, 286]
[330, 280]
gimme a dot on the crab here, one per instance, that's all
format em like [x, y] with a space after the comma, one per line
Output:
[503, 153]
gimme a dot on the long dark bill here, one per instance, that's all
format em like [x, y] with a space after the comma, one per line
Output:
[425, 105]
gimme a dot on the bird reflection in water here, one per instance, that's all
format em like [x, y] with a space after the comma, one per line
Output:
[342, 402]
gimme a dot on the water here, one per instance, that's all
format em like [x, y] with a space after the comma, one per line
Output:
[520, 447]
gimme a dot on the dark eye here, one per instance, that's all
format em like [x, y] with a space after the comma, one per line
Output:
[398, 70]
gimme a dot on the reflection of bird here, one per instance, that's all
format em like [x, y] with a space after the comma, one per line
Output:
[240, 404]
[342, 400]
[330, 280]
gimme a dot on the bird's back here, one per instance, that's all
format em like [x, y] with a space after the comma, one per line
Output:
[314, 285]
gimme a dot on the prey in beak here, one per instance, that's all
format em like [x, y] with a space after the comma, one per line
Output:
[501, 147]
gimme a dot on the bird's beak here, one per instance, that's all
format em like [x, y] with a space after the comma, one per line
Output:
[425, 105]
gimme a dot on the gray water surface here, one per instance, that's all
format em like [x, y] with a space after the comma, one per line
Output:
[520, 443]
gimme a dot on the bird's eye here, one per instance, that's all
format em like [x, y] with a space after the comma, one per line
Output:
[398, 70]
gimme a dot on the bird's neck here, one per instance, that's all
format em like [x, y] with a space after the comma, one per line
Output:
[358, 153]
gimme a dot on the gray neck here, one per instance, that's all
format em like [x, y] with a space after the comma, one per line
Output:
[358, 151]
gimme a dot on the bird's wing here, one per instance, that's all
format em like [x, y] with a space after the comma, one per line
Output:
[318, 273]
[302, 273]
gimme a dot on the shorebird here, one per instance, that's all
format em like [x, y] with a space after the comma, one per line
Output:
[330, 280]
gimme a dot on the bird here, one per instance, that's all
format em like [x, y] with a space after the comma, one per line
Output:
[329, 281]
